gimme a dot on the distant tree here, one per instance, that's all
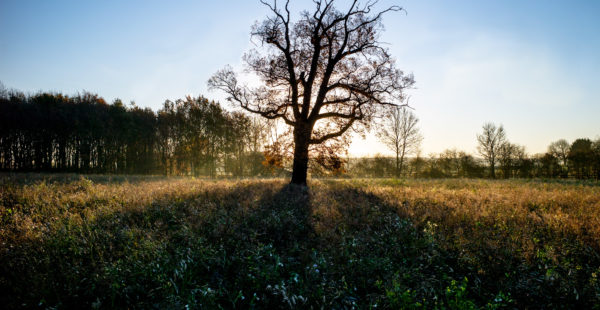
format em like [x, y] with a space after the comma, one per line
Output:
[560, 149]
[258, 131]
[323, 74]
[434, 167]
[376, 167]
[505, 158]
[449, 162]
[549, 165]
[469, 167]
[523, 164]
[489, 143]
[195, 136]
[399, 132]
[512, 159]
[3, 91]
[237, 143]
[380, 166]
[581, 156]
[258, 134]
[418, 163]
[168, 137]
[596, 158]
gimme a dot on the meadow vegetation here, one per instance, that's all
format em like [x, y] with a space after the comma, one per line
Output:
[70, 241]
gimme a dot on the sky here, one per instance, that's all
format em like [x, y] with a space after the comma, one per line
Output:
[531, 66]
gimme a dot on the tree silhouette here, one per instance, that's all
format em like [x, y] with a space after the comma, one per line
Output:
[489, 144]
[596, 158]
[399, 132]
[581, 156]
[54, 132]
[322, 74]
[560, 150]
[549, 166]
[469, 167]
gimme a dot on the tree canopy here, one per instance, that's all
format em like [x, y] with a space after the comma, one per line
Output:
[323, 74]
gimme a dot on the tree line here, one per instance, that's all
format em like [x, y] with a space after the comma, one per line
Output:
[581, 163]
[196, 136]
[84, 133]
[498, 157]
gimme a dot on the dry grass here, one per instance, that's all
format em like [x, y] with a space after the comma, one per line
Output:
[121, 242]
[515, 210]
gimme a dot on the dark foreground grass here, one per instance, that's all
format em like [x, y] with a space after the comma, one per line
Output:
[184, 243]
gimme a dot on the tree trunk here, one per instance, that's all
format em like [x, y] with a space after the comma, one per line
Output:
[397, 166]
[300, 167]
[401, 166]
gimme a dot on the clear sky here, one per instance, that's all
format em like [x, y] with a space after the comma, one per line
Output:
[533, 66]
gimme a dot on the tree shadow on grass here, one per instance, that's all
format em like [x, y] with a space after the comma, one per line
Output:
[233, 247]
[283, 219]
[256, 244]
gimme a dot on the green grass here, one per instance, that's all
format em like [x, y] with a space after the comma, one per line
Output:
[152, 242]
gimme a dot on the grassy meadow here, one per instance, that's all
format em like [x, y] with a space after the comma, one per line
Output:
[103, 242]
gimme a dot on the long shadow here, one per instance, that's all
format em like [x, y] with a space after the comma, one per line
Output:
[281, 217]
[226, 236]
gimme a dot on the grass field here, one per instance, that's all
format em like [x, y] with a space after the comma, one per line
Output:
[150, 242]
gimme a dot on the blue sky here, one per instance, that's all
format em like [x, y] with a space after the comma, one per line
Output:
[530, 65]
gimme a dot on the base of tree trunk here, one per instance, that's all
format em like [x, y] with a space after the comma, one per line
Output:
[300, 164]
[298, 180]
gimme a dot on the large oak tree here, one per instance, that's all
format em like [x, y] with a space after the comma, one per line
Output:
[322, 74]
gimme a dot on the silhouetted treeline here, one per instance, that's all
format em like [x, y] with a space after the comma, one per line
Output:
[195, 136]
[580, 160]
[448, 164]
[54, 132]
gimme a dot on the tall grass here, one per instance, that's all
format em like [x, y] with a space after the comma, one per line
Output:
[141, 242]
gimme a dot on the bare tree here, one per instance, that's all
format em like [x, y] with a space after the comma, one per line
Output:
[489, 144]
[322, 74]
[399, 132]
